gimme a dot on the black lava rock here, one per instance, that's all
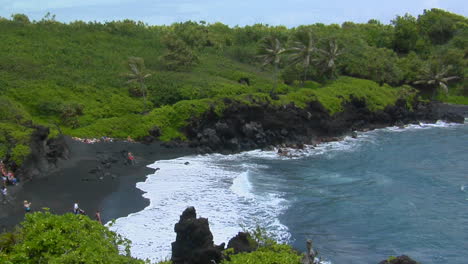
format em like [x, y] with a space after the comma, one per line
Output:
[194, 241]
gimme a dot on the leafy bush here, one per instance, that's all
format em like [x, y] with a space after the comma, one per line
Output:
[11, 110]
[274, 254]
[47, 238]
[19, 153]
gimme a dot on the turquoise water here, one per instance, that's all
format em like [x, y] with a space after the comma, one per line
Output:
[387, 193]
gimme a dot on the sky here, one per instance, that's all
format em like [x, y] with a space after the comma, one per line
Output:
[231, 12]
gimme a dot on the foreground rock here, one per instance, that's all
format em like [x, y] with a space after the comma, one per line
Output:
[194, 241]
[242, 243]
[399, 260]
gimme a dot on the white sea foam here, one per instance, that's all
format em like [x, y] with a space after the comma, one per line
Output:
[241, 186]
[440, 124]
[221, 193]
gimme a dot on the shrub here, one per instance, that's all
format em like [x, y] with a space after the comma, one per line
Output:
[69, 114]
[47, 238]
[19, 153]
[274, 254]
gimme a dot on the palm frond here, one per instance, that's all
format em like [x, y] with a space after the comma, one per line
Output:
[444, 87]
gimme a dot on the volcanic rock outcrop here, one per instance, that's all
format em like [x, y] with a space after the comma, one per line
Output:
[194, 241]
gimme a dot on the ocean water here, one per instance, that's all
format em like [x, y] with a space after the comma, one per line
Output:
[388, 192]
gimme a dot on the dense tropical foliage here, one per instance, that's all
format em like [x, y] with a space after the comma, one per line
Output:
[76, 75]
[47, 238]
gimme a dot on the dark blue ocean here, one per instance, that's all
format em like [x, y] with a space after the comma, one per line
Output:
[386, 193]
[390, 192]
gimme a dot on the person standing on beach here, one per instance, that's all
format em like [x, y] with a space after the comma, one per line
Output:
[27, 206]
[98, 217]
[4, 194]
[131, 158]
[76, 208]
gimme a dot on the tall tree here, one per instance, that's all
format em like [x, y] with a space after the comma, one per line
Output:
[439, 25]
[436, 76]
[270, 52]
[328, 58]
[302, 52]
[138, 75]
[406, 33]
[179, 55]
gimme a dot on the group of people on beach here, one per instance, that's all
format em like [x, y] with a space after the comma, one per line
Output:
[93, 140]
[76, 210]
[8, 178]
[97, 140]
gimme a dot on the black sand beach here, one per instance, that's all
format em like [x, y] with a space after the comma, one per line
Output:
[96, 176]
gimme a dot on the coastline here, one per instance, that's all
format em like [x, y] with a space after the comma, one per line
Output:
[116, 195]
[176, 186]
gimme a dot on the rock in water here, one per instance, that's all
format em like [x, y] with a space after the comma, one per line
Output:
[194, 241]
[399, 260]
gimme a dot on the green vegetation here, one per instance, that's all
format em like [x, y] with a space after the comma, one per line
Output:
[67, 239]
[75, 75]
[283, 254]
[47, 238]
[268, 251]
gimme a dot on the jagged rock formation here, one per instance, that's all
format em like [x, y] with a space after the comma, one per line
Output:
[194, 241]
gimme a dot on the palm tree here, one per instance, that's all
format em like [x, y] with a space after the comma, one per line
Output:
[329, 57]
[436, 76]
[302, 52]
[270, 52]
[138, 75]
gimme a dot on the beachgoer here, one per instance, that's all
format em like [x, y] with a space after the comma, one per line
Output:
[129, 139]
[27, 206]
[76, 208]
[11, 178]
[131, 158]
[97, 216]
[4, 193]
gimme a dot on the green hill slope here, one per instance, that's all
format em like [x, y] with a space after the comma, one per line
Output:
[73, 75]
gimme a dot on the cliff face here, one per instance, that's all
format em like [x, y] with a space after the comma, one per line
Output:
[45, 153]
[244, 127]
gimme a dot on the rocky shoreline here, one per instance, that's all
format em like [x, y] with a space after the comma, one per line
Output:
[62, 171]
[244, 127]
[97, 174]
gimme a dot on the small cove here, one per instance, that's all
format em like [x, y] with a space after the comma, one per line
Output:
[388, 192]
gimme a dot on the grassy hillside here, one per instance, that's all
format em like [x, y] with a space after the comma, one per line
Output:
[74, 75]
